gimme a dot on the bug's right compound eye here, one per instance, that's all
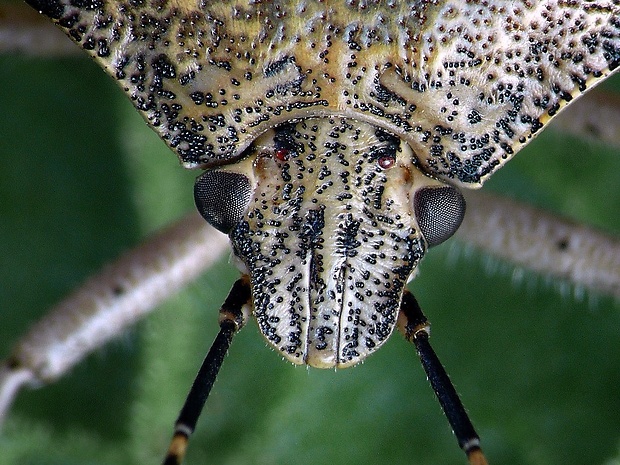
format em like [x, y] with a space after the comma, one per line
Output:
[222, 198]
[439, 211]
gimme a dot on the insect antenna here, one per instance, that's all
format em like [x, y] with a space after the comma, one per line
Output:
[416, 328]
[232, 319]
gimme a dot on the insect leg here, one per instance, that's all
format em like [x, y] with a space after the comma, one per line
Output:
[119, 295]
[544, 243]
[232, 319]
[416, 328]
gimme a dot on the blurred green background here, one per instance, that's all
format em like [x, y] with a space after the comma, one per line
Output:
[82, 179]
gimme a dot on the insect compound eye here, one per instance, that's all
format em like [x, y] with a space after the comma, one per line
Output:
[222, 198]
[439, 212]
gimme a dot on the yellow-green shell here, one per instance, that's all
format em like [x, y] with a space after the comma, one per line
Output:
[464, 83]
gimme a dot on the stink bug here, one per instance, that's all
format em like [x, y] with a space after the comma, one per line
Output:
[280, 64]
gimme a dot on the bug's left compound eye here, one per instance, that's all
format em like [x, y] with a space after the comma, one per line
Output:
[439, 212]
[222, 197]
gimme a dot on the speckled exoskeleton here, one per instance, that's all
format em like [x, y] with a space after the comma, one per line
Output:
[335, 135]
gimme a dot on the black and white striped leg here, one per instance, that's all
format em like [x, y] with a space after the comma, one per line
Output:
[416, 328]
[232, 319]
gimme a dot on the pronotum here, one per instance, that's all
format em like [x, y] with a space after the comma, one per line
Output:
[446, 303]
